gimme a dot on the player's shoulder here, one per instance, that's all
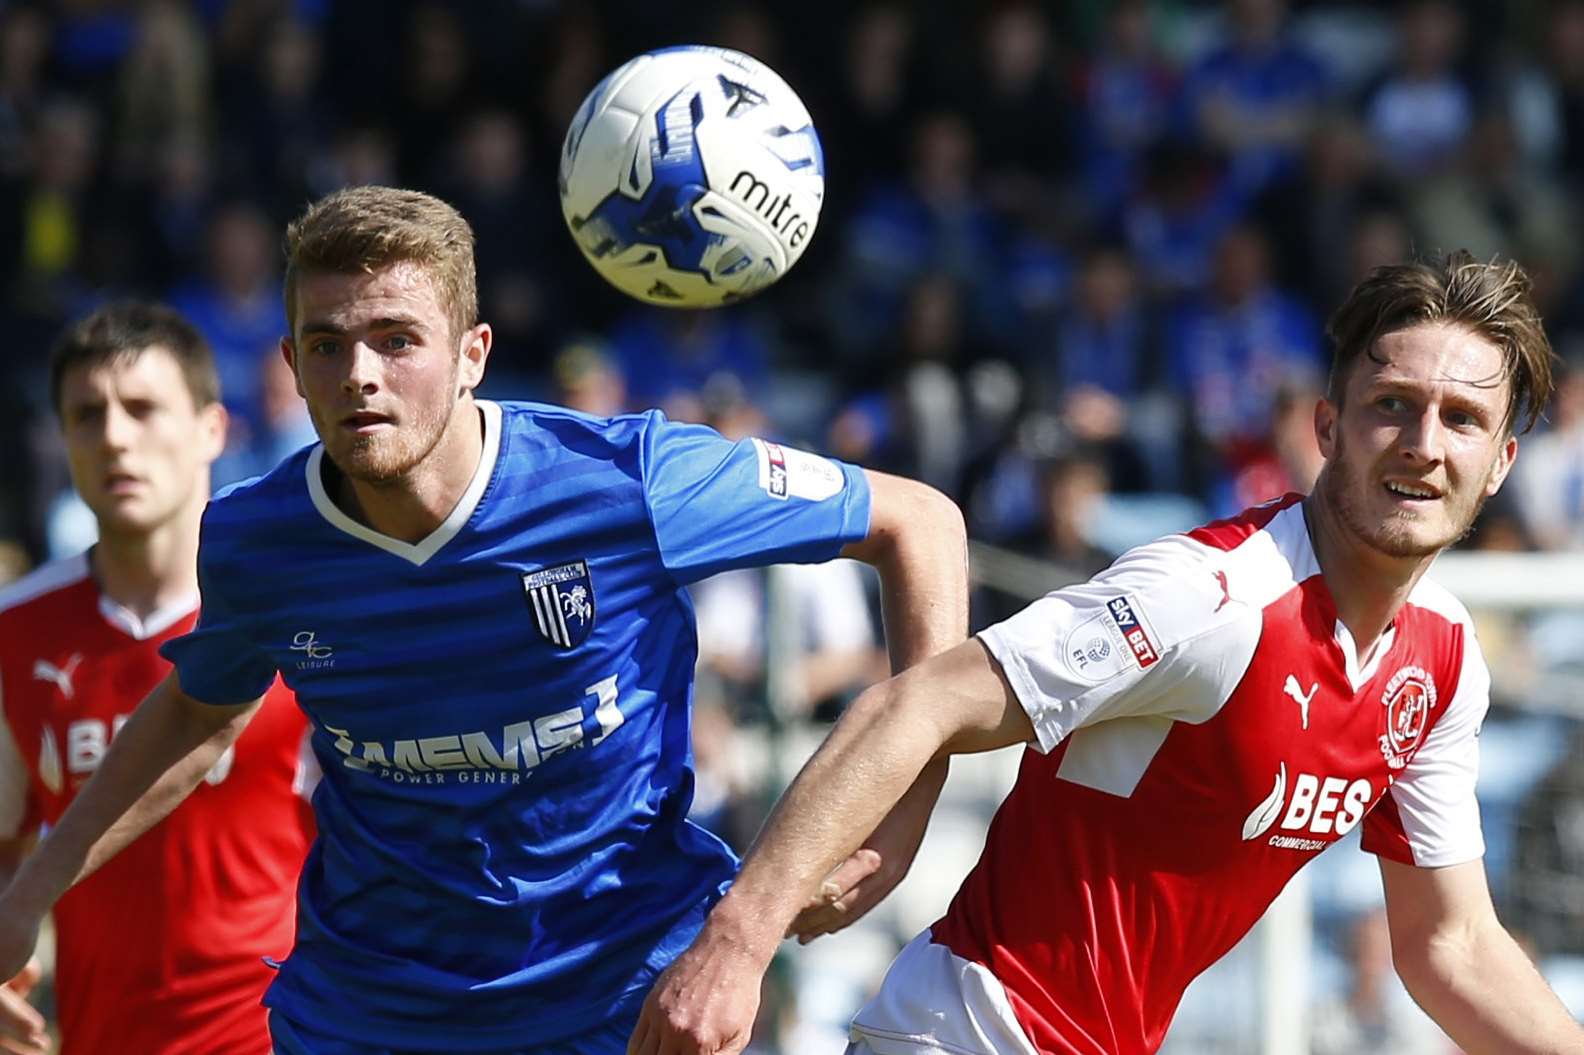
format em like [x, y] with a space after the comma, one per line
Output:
[533, 432]
[50, 587]
[261, 501]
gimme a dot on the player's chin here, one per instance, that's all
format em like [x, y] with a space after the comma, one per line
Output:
[373, 463]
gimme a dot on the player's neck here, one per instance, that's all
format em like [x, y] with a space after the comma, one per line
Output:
[1369, 587]
[411, 507]
[147, 572]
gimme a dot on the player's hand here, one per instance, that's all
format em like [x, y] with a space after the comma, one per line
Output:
[851, 889]
[704, 1004]
[873, 870]
[21, 1026]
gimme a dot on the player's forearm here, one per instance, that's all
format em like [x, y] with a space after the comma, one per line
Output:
[154, 762]
[1483, 991]
[918, 545]
[863, 769]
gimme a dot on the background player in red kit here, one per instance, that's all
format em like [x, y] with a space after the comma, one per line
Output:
[1207, 715]
[160, 952]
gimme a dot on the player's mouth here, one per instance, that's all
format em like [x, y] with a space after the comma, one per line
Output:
[119, 483]
[1413, 492]
[365, 422]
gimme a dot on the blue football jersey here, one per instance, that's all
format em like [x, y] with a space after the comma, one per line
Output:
[502, 713]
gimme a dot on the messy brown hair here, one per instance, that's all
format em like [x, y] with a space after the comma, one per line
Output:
[362, 230]
[123, 331]
[1491, 300]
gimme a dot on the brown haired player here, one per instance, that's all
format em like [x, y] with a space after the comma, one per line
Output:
[160, 951]
[1204, 717]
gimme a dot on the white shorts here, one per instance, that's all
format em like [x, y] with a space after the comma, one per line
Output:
[933, 1000]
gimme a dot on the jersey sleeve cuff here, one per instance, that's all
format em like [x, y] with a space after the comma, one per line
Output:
[1046, 727]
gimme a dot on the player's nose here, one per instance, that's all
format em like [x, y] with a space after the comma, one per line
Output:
[1424, 438]
[362, 370]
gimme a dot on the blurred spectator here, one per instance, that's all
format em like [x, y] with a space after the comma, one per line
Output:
[587, 379]
[1313, 216]
[490, 181]
[1565, 42]
[360, 155]
[1492, 203]
[1549, 476]
[1105, 377]
[1073, 488]
[49, 216]
[275, 118]
[282, 426]
[1375, 1015]
[433, 96]
[936, 222]
[1257, 96]
[668, 356]
[1127, 92]
[1548, 873]
[164, 92]
[1184, 206]
[236, 305]
[864, 114]
[1019, 111]
[1235, 346]
[1288, 460]
[1422, 111]
[24, 48]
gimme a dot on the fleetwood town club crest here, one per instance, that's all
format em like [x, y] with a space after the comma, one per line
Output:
[1409, 697]
[562, 600]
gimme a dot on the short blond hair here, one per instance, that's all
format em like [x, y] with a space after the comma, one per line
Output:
[367, 229]
[1490, 299]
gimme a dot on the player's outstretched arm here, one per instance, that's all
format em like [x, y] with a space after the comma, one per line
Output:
[955, 703]
[1465, 970]
[154, 762]
[919, 546]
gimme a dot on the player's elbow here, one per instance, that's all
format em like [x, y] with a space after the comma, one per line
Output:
[909, 519]
[1428, 960]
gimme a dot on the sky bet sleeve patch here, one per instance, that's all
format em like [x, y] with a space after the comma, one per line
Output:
[786, 472]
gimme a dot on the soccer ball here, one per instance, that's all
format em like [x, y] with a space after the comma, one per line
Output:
[692, 177]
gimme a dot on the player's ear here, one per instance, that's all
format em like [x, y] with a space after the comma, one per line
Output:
[476, 344]
[1502, 466]
[1326, 420]
[288, 352]
[213, 423]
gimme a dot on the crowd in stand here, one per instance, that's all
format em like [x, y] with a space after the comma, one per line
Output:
[1074, 258]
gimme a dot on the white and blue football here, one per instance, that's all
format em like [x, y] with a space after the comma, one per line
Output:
[692, 177]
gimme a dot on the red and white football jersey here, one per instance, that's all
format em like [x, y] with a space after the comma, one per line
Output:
[160, 951]
[1205, 729]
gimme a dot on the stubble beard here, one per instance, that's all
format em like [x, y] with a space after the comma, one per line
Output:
[387, 457]
[1394, 535]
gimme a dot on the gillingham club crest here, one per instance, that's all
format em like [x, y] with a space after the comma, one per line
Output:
[1409, 697]
[562, 601]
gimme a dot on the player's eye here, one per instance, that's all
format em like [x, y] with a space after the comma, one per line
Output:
[397, 342]
[325, 347]
[1392, 404]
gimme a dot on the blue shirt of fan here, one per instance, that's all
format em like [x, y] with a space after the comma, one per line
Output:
[501, 712]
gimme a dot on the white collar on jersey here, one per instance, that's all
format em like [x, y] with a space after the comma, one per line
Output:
[416, 552]
[157, 621]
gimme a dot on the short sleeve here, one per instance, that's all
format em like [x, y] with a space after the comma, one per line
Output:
[1149, 636]
[217, 662]
[14, 805]
[1429, 815]
[718, 505]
